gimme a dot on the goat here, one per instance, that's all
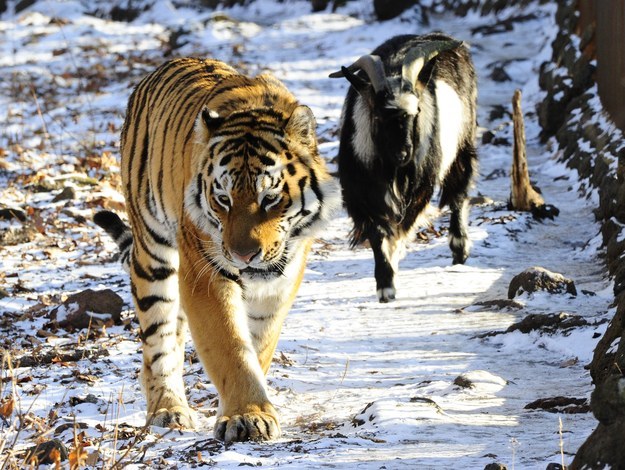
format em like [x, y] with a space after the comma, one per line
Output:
[407, 127]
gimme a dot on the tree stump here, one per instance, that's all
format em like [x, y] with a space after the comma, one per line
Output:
[524, 196]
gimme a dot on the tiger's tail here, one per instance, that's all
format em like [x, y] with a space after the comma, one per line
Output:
[119, 232]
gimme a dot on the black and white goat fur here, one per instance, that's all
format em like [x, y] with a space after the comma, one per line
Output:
[408, 127]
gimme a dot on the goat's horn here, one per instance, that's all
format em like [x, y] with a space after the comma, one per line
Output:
[418, 56]
[372, 66]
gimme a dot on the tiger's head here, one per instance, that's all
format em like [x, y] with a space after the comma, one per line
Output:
[260, 187]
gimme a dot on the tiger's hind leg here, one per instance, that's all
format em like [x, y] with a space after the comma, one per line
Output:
[154, 276]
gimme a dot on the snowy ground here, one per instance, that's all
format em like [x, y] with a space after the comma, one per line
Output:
[358, 384]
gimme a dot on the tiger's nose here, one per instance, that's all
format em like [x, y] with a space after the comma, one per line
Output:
[246, 257]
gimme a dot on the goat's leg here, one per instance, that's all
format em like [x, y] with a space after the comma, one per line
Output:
[386, 254]
[455, 194]
[458, 233]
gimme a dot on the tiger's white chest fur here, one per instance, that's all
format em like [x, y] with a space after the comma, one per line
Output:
[264, 298]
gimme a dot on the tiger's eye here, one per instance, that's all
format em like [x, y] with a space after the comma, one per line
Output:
[269, 200]
[223, 200]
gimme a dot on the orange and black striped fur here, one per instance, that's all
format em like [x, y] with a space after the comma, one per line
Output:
[224, 190]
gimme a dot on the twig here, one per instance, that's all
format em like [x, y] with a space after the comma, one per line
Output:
[514, 444]
[561, 442]
[46, 135]
[341, 382]
[139, 436]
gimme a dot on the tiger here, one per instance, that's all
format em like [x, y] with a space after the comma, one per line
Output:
[225, 193]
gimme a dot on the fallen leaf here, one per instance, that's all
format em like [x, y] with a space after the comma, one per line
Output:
[6, 407]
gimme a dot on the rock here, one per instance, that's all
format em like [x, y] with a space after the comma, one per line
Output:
[124, 14]
[488, 137]
[606, 361]
[319, 5]
[67, 194]
[603, 449]
[387, 9]
[548, 322]
[45, 185]
[16, 236]
[89, 307]
[9, 213]
[501, 26]
[44, 453]
[90, 398]
[544, 211]
[21, 5]
[480, 200]
[495, 466]
[555, 466]
[463, 382]
[496, 304]
[499, 74]
[498, 111]
[608, 400]
[560, 404]
[537, 278]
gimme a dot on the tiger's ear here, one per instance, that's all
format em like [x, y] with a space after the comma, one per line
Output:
[207, 121]
[302, 126]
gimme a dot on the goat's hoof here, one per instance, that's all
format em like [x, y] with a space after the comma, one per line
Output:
[386, 294]
[460, 258]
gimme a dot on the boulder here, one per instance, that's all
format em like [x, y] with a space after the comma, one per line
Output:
[540, 279]
[86, 308]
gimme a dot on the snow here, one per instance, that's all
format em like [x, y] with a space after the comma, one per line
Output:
[358, 384]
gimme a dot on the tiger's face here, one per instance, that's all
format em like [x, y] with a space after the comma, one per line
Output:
[257, 188]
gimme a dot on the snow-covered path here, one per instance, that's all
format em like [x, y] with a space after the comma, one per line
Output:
[398, 362]
[408, 384]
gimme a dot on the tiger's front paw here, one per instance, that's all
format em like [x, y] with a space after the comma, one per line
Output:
[255, 426]
[178, 417]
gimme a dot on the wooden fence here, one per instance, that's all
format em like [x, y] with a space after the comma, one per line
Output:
[606, 19]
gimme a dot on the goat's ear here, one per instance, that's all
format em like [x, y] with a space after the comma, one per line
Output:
[302, 126]
[361, 85]
[208, 120]
[424, 75]
[419, 62]
[416, 74]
